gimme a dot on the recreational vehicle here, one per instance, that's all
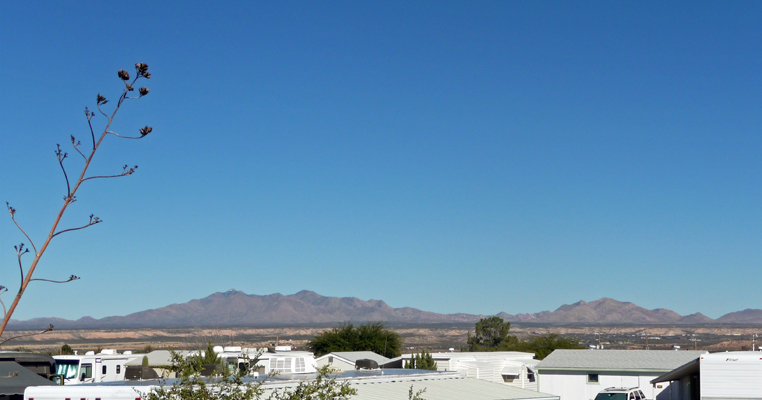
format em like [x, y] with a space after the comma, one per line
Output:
[105, 366]
[734, 374]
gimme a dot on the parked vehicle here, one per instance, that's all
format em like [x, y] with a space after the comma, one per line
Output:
[731, 375]
[614, 393]
[105, 366]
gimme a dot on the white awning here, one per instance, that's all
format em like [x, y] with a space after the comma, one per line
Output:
[511, 370]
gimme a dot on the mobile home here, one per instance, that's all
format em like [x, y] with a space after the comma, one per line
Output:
[105, 366]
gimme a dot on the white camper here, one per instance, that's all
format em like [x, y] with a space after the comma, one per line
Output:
[105, 366]
[731, 375]
[127, 392]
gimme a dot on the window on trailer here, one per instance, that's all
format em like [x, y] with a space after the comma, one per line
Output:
[67, 368]
[86, 371]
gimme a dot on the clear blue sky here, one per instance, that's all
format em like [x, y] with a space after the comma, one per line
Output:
[450, 156]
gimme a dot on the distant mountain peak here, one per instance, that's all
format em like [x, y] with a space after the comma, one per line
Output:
[236, 308]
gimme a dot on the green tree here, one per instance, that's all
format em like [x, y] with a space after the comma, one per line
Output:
[367, 337]
[491, 334]
[232, 384]
[424, 360]
[190, 385]
[87, 152]
[66, 349]
[542, 346]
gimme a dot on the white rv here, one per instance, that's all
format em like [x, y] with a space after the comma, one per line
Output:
[731, 375]
[106, 366]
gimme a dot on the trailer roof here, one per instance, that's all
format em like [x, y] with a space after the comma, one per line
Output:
[17, 378]
[618, 360]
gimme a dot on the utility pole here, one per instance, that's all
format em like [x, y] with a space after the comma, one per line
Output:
[695, 341]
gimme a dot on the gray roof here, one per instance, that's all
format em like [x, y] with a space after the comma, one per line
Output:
[353, 356]
[656, 360]
[395, 384]
[156, 358]
[446, 389]
[16, 378]
[689, 368]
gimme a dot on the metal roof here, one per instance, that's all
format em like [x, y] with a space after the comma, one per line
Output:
[395, 384]
[156, 358]
[381, 385]
[687, 369]
[446, 389]
[353, 356]
[16, 378]
[619, 360]
[526, 358]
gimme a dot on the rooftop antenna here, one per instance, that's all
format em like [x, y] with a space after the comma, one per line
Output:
[386, 338]
[753, 341]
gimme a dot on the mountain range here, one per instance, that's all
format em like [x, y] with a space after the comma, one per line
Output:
[236, 308]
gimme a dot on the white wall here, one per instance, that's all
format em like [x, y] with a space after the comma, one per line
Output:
[571, 385]
[337, 364]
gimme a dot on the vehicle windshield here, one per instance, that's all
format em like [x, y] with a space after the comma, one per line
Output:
[67, 368]
[611, 396]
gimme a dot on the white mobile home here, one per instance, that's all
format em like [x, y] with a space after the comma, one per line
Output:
[731, 375]
[513, 368]
[728, 375]
[345, 360]
[105, 366]
[370, 385]
[581, 374]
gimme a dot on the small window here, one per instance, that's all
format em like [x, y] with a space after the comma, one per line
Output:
[592, 378]
[104, 370]
[118, 369]
[330, 359]
[86, 371]
[530, 376]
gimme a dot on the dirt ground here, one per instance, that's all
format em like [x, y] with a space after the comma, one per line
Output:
[414, 338]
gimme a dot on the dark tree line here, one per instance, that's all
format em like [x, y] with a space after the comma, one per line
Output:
[492, 334]
[367, 337]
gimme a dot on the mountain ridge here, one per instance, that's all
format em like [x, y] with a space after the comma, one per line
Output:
[236, 308]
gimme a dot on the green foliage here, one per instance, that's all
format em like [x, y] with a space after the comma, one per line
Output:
[232, 385]
[194, 364]
[208, 356]
[491, 334]
[145, 361]
[542, 346]
[146, 349]
[411, 395]
[323, 387]
[190, 385]
[367, 337]
[424, 360]
[66, 349]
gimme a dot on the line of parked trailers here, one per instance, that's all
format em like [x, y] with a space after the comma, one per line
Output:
[105, 376]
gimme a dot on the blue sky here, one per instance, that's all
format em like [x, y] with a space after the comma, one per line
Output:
[450, 156]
